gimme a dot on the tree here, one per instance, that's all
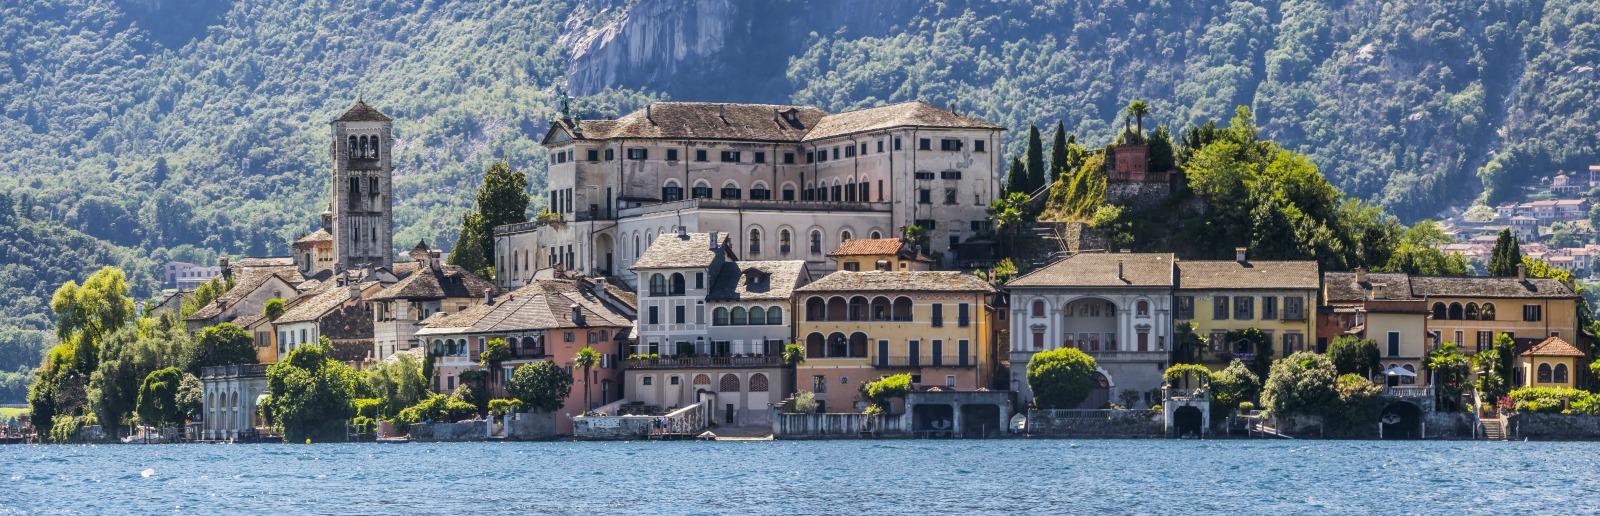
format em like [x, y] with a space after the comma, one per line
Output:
[398, 382]
[428, 360]
[1008, 214]
[1138, 109]
[503, 199]
[494, 352]
[1061, 378]
[878, 394]
[1354, 356]
[1017, 178]
[273, 309]
[309, 394]
[85, 316]
[587, 358]
[1359, 403]
[1059, 155]
[541, 386]
[793, 354]
[1233, 385]
[1259, 345]
[1496, 368]
[220, 345]
[158, 398]
[127, 357]
[1300, 384]
[1506, 255]
[467, 255]
[190, 394]
[1162, 156]
[1451, 370]
[1036, 173]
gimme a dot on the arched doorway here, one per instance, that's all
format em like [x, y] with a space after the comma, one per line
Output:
[1100, 395]
[1401, 420]
[933, 420]
[1188, 421]
[604, 248]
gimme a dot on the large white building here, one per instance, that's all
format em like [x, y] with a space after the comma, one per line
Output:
[783, 182]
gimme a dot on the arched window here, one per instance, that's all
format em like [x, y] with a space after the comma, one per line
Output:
[837, 309]
[1544, 373]
[816, 242]
[783, 242]
[731, 190]
[438, 347]
[1455, 311]
[755, 241]
[729, 383]
[814, 345]
[880, 308]
[775, 315]
[902, 308]
[758, 382]
[864, 191]
[844, 236]
[702, 379]
[1472, 311]
[739, 317]
[1142, 308]
[850, 191]
[1561, 373]
[355, 149]
[816, 309]
[1038, 308]
[719, 317]
[702, 190]
[671, 191]
[758, 316]
[658, 285]
[677, 284]
[1488, 311]
[372, 152]
[876, 235]
[858, 308]
[1439, 312]
[788, 192]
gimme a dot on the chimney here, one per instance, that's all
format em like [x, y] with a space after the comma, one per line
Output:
[1522, 272]
[683, 232]
[1361, 275]
[713, 245]
[355, 290]
[1239, 254]
[722, 112]
[488, 297]
[1119, 271]
[577, 315]
[222, 267]
[433, 260]
[327, 220]
[647, 114]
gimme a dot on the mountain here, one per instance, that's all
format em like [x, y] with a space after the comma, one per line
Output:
[184, 128]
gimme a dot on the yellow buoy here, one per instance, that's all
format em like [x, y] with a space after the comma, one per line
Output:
[308, 441]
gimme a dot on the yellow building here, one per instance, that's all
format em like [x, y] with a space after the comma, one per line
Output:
[1471, 311]
[879, 254]
[1276, 297]
[861, 326]
[1551, 363]
[1380, 307]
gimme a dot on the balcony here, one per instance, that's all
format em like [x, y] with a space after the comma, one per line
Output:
[696, 362]
[1408, 391]
[706, 203]
[909, 361]
[235, 371]
[528, 352]
[1125, 355]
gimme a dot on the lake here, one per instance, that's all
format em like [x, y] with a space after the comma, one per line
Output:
[742, 477]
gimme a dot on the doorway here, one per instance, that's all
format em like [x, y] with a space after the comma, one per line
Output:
[729, 419]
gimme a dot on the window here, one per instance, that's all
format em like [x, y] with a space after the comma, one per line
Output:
[673, 380]
[810, 156]
[638, 153]
[977, 146]
[880, 146]
[788, 193]
[836, 152]
[850, 152]
[678, 314]
[699, 280]
[924, 175]
[775, 315]
[1394, 344]
[1561, 373]
[740, 317]
[863, 148]
[816, 242]
[646, 380]
[1532, 313]
[1219, 308]
[949, 196]
[1269, 307]
[730, 156]
[852, 266]
[610, 154]
[655, 315]
[701, 191]
[949, 144]
[755, 241]
[671, 193]
[938, 314]
[950, 174]
[924, 144]
[1545, 375]
[594, 155]
[672, 154]
[760, 193]
[1142, 308]
[963, 318]
[700, 155]
[731, 192]
[1294, 308]
[1244, 308]
[926, 224]
[788, 158]
[719, 317]
[783, 241]
[819, 384]
[761, 157]
[924, 196]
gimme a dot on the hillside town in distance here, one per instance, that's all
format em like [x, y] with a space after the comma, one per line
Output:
[708, 270]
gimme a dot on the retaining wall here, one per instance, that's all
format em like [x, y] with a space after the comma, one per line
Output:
[836, 426]
[1555, 427]
[1097, 424]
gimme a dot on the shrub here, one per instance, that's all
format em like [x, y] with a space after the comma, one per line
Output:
[1552, 400]
[1060, 378]
[502, 406]
[805, 402]
[1247, 407]
[1300, 384]
[438, 408]
[541, 386]
[879, 393]
[369, 407]
[158, 398]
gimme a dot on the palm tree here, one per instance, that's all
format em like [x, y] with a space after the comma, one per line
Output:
[793, 354]
[1138, 109]
[587, 358]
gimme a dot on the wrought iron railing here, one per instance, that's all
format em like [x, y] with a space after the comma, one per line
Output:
[233, 371]
[667, 363]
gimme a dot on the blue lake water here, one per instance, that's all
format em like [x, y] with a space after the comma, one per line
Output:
[827, 477]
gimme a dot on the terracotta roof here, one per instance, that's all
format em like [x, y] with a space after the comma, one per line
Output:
[1480, 286]
[898, 281]
[905, 114]
[673, 251]
[1552, 347]
[1229, 274]
[448, 281]
[732, 283]
[1101, 270]
[877, 247]
[704, 120]
[361, 112]
[1382, 286]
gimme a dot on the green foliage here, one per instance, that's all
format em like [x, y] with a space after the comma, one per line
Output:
[879, 393]
[1061, 378]
[1187, 345]
[1017, 178]
[805, 402]
[127, 358]
[1112, 222]
[1060, 155]
[1009, 213]
[1419, 254]
[309, 394]
[1162, 155]
[1496, 366]
[398, 383]
[793, 354]
[158, 398]
[220, 345]
[1001, 273]
[85, 316]
[471, 257]
[1300, 384]
[502, 406]
[542, 386]
[1036, 165]
[1506, 255]
[1234, 386]
[427, 366]
[205, 294]
[1080, 193]
[1354, 356]
[438, 408]
[586, 358]
[1259, 345]
[1187, 376]
[1451, 372]
[1357, 408]
[494, 352]
[273, 309]
[1555, 400]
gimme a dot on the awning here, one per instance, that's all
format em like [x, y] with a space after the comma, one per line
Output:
[1398, 371]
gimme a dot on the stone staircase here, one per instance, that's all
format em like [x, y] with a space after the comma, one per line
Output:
[1494, 429]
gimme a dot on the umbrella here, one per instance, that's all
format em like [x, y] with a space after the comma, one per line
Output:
[1398, 371]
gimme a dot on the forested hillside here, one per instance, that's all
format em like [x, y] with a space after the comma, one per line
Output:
[162, 128]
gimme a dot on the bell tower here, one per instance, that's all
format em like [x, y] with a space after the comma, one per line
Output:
[363, 216]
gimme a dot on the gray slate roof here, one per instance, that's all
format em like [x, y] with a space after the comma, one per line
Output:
[781, 278]
[905, 114]
[448, 281]
[1101, 270]
[763, 122]
[361, 112]
[898, 281]
[671, 251]
[1381, 286]
[542, 304]
[316, 304]
[1228, 274]
[1479, 286]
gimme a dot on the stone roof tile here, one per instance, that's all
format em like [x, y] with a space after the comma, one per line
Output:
[898, 281]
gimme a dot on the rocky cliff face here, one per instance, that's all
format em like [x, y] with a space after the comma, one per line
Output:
[729, 50]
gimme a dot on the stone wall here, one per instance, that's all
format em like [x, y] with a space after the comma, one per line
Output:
[468, 431]
[688, 420]
[1447, 425]
[1139, 196]
[836, 426]
[1079, 237]
[520, 427]
[1097, 424]
[1555, 427]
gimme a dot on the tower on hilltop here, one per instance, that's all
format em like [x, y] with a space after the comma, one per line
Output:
[363, 218]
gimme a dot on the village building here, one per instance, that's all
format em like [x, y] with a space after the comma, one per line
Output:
[186, 276]
[1550, 363]
[879, 254]
[939, 327]
[339, 311]
[433, 288]
[1116, 307]
[1379, 307]
[781, 182]
[1277, 297]
[362, 219]
[1472, 311]
[256, 280]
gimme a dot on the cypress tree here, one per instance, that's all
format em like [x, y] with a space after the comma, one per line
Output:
[1017, 177]
[1058, 153]
[1506, 256]
[1035, 159]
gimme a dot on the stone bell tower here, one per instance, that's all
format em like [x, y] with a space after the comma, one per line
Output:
[363, 216]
